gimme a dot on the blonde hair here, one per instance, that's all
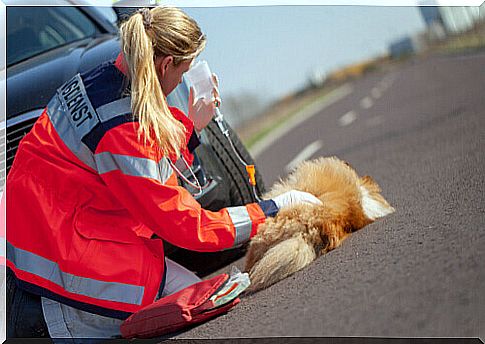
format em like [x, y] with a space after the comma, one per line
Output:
[146, 35]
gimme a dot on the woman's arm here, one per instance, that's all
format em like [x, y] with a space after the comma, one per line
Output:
[136, 175]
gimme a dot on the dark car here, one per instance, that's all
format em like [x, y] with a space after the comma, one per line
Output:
[48, 45]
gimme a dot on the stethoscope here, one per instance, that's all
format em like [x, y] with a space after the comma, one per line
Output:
[195, 185]
[219, 118]
[250, 169]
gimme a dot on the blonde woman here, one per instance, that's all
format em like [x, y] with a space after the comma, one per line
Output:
[96, 173]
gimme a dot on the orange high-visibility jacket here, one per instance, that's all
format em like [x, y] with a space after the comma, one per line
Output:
[85, 198]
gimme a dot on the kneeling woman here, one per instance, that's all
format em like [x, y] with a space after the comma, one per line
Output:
[93, 191]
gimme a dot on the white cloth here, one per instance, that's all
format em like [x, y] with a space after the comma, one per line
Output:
[68, 322]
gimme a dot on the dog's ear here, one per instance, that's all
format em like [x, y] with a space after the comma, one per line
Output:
[373, 204]
[370, 184]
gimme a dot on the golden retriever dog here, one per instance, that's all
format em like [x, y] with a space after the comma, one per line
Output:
[297, 235]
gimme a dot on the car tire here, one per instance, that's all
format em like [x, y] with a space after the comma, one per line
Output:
[241, 191]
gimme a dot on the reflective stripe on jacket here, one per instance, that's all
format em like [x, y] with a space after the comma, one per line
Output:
[84, 199]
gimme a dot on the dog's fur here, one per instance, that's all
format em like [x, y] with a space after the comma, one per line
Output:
[299, 234]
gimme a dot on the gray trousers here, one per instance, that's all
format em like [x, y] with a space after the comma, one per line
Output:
[68, 322]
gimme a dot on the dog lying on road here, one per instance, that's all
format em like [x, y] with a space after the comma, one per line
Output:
[299, 234]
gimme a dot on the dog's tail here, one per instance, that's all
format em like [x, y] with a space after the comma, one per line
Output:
[280, 261]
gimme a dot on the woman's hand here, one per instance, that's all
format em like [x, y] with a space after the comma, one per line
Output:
[295, 197]
[202, 110]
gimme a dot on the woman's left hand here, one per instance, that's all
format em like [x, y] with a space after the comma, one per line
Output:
[202, 110]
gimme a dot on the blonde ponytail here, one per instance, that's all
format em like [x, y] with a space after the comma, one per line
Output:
[161, 31]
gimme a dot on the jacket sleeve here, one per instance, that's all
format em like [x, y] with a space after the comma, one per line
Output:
[136, 174]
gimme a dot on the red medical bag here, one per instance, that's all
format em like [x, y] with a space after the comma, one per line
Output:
[171, 313]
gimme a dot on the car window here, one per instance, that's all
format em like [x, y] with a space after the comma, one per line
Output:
[109, 13]
[34, 30]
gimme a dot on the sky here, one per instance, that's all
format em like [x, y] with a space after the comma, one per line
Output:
[272, 50]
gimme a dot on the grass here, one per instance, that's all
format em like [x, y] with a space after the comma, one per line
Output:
[469, 41]
[465, 44]
[278, 115]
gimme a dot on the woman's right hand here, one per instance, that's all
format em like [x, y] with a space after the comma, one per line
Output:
[295, 197]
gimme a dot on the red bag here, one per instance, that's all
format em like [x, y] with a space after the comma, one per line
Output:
[171, 313]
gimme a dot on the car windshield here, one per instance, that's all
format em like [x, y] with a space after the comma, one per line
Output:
[34, 30]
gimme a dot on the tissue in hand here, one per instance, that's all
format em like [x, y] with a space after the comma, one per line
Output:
[200, 78]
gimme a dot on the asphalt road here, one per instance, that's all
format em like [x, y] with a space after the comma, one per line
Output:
[419, 272]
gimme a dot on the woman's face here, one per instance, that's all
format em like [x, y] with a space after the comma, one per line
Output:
[169, 74]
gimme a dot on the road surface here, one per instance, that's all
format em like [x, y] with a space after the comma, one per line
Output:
[419, 131]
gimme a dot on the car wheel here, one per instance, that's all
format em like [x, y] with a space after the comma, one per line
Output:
[241, 191]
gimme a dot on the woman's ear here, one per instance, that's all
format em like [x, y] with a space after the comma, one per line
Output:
[162, 63]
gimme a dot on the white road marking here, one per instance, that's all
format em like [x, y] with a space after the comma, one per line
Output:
[376, 93]
[348, 118]
[366, 103]
[299, 118]
[374, 121]
[306, 153]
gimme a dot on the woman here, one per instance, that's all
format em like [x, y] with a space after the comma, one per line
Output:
[96, 174]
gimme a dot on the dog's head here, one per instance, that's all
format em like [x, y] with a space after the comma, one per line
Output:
[342, 191]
